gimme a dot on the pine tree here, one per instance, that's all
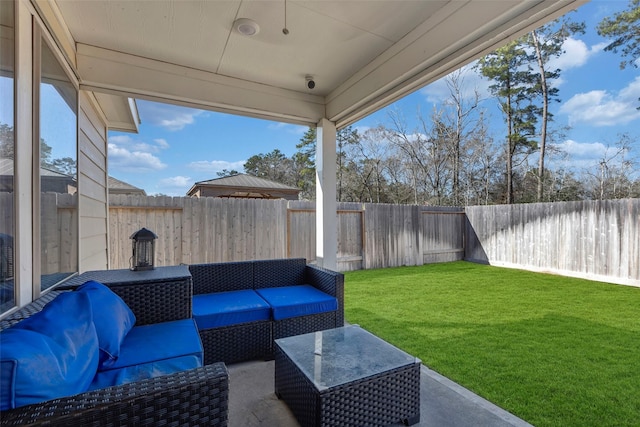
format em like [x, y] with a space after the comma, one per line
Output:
[624, 27]
[513, 79]
[546, 43]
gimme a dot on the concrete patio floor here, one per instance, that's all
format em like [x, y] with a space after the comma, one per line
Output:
[252, 402]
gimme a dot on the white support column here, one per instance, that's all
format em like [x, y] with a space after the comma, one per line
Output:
[326, 215]
[24, 172]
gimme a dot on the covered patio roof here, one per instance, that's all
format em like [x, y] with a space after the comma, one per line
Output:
[362, 55]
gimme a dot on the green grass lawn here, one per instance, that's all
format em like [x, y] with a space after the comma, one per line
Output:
[553, 350]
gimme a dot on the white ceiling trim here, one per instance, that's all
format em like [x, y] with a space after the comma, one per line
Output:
[413, 62]
[117, 72]
[359, 97]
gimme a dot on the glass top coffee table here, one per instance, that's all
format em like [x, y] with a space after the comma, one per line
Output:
[347, 376]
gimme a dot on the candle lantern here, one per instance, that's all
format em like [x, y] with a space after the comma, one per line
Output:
[143, 249]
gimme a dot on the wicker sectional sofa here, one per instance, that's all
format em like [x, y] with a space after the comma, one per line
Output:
[251, 337]
[185, 397]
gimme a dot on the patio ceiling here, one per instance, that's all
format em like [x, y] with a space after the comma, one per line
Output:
[362, 54]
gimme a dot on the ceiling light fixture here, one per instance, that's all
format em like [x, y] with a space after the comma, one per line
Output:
[246, 26]
[285, 30]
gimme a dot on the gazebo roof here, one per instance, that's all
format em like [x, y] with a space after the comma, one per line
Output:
[244, 183]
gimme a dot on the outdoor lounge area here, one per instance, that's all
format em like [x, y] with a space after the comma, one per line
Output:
[151, 382]
[71, 73]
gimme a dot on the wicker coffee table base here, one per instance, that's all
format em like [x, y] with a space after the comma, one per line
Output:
[388, 398]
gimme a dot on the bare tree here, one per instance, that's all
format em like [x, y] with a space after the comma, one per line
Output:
[366, 166]
[460, 119]
[611, 177]
[480, 169]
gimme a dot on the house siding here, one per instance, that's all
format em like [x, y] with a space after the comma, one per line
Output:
[92, 183]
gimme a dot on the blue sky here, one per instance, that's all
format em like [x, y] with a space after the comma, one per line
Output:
[179, 146]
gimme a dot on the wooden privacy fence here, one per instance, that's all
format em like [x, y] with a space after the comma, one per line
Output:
[593, 239]
[59, 233]
[193, 230]
[598, 240]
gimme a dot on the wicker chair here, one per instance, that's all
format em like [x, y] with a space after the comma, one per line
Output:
[254, 340]
[197, 397]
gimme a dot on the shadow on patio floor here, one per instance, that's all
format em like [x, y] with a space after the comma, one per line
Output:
[252, 402]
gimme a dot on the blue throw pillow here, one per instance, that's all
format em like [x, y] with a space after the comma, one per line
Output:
[52, 354]
[112, 317]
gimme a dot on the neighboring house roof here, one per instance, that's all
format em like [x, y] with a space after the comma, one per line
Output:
[55, 174]
[51, 180]
[6, 168]
[242, 185]
[120, 187]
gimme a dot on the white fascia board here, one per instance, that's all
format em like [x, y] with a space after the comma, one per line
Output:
[109, 71]
[415, 61]
[121, 113]
[133, 110]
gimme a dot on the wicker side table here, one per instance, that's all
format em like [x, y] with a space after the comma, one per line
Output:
[139, 288]
[347, 376]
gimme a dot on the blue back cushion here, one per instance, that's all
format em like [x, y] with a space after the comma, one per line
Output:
[53, 353]
[229, 308]
[295, 301]
[112, 317]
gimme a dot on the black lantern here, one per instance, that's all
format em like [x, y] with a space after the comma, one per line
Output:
[143, 249]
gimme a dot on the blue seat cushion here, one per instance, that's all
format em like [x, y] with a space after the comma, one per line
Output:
[295, 301]
[157, 342]
[229, 308]
[134, 373]
[111, 316]
[53, 353]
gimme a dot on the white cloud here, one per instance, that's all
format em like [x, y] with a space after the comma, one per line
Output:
[162, 143]
[214, 166]
[132, 161]
[126, 141]
[576, 54]
[602, 108]
[170, 117]
[176, 182]
[583, 150]
[583, 155]
[120, 139]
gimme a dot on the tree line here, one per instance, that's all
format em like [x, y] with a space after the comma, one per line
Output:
[452, 158]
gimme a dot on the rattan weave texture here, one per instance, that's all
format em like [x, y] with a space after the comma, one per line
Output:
[278, 272]
[157, 303]
[237, 343]
[221, 277]
[251, 341]
[330, 282]
[380, 400]
[197, 397]
[304, 324]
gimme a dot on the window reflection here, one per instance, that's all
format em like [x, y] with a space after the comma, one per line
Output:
[58, 174]
[7, 227]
